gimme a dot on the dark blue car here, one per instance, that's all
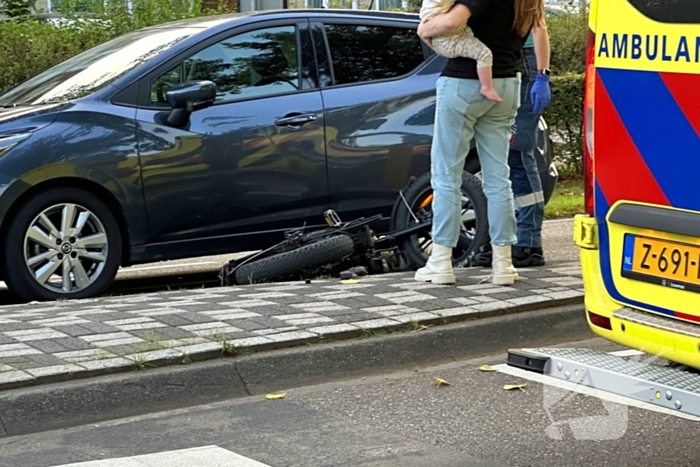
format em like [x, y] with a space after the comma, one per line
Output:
[209, 136]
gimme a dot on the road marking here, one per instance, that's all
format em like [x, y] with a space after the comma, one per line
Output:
[205, 456]
[593, 392]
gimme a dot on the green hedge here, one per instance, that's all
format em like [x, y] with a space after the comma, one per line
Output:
[28, 46]
[565, 119]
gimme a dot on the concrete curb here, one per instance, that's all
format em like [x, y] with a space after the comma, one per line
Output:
[72, 403]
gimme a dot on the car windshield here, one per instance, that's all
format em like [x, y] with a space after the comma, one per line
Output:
[95, 68]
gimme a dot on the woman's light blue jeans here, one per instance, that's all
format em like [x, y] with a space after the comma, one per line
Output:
[461, 114]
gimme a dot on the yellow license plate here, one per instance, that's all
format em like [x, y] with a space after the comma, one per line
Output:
[670, 264]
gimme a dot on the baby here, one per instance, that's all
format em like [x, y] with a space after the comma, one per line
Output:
[461, 42]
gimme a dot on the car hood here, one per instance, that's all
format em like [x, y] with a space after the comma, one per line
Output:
[28, 117]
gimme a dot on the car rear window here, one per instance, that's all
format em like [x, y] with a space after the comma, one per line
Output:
[669, 11]
[371, 53]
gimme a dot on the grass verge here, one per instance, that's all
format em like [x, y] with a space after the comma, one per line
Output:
[567, 199]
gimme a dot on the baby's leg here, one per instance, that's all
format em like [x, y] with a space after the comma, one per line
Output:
[471, 47]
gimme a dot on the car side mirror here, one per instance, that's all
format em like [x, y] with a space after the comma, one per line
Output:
[189, 97]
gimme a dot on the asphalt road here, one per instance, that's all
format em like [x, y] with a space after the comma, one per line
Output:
[386, 420]
[198, 272]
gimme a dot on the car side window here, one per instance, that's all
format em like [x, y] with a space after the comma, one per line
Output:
[253, 64]
[370, 53]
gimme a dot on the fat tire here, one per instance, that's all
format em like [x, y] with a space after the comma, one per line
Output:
[473, 189]
[18, 278]
[293, 263]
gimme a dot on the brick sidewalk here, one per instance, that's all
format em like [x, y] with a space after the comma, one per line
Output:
[45, 342]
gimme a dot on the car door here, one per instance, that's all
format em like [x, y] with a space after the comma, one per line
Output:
[379, 97]
[252, 162]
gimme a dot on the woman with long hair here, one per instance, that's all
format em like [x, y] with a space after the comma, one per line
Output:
[463, 113]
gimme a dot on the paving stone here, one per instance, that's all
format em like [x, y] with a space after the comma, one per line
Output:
[333, 329]
[493, 306]
[19, 352]
[45, 359]
[14, 377]
[74, 330]
[163, 333]
[251, 341]
[123, 349]
[375, 323]
[270, 322]
[246, 324]
[291, 336]
[528, 299]
[565, 294]
[21, 363]
[193, 349]
[231, 315]
[457, 311]
[195, 318]
[418, 317]
[431, 305]
[265, 332]
[54, 370]
[49, 346]
[97, 327]
[154, 355]
[174, 319]
[105, 364]
[78, 356]
[6, 339]
[120, 341]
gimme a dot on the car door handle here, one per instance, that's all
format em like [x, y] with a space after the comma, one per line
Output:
[296, 120]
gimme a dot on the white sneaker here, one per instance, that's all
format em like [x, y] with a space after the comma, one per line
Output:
[502, 263]
[438, 270]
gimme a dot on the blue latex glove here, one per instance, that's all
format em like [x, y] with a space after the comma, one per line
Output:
[540, 94]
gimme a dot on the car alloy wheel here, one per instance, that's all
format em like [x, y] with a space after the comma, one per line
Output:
[65, 248]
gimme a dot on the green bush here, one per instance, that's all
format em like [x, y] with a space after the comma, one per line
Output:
[565, 119]
[29, 46]
[567, 36]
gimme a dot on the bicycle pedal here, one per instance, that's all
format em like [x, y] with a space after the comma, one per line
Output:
[332, 218]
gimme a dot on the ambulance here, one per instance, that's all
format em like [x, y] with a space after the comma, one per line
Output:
[639, 238]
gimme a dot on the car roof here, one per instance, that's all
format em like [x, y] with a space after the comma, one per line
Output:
[206, 22]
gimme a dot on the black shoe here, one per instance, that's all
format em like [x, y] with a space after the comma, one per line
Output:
[522, 257]
[527, 257]
[483, 258]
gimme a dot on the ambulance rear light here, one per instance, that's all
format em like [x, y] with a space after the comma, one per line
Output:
[600, 321]
[588, 113]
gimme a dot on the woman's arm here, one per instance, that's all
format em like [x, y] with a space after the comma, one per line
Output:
[438, 25]
[540, 37]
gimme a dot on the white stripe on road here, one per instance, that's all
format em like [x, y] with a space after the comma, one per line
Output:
[205, 456]
[588, 391]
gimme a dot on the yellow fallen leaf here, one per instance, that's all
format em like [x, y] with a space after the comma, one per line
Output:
[350, 281]
[510, 387]
[442, 382]
[273, 397]
[487, 368]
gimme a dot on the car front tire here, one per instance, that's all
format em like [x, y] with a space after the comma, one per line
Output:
[64, 243]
